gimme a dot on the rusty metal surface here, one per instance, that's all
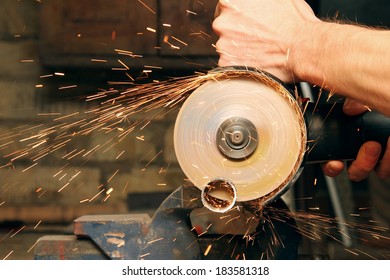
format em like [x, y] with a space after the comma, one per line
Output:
[67, 247]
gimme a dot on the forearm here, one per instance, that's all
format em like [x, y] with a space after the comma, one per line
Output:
[346, 59]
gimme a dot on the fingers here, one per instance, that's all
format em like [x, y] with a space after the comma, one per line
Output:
[333, 168]
[353, 108]
[365, 162]
[368, 156]
[383, 169]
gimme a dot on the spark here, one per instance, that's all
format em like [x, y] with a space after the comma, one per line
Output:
[63, 187]
[6, 144]
[191, 12]
[364, 253]
[155, 240]
[166, 41]
[147, 7]
[159, 153]
[192, 244]
[207, 251]
[42, 194]
[354, 215]
[124, 52]
[19, 156]
[49, 114]
[32, 247]
[46, 76]
[113, 175]
[144, 255]
[119, 69]
[368, 108]
[99, 193]
[8, 255]
[98, 60]
[350, 251]
[151, 29]
[153, 67]
[67, 116]
[120, 154]
[18, 231]
[202, 233]
[125, 187]
[124, 65]
[40, 221]
[180, 41]
[67, 87]
[75, 155]
[130, 77]
[28, 168]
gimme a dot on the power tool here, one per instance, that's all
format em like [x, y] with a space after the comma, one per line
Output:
[245, 136]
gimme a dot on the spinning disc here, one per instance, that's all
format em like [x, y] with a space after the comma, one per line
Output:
[245, 129]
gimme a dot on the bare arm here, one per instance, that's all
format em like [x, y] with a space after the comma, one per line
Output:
[350, 60]
[285, 38]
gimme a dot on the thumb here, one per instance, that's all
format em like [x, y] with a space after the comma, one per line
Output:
[353, 108]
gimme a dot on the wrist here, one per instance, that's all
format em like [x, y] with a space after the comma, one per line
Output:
[307, 49]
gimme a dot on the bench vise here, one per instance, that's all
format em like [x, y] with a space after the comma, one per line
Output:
[181, 229]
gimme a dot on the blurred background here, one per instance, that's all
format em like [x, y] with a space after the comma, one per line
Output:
[57, 52]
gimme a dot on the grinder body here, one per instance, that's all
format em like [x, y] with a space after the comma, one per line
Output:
[337, 136]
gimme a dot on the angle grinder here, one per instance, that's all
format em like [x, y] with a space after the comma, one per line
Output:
[243, 135]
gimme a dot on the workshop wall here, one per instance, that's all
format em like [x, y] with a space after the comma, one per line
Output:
[55, 53]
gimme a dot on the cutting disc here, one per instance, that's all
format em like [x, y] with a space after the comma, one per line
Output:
[244, 128]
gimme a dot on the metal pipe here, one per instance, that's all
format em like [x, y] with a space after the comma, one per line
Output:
[219, 195]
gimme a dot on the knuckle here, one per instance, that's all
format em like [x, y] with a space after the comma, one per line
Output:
[358, 171]
[224, 3]
[362, 167]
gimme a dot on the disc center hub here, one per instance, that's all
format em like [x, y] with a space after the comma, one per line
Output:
[237, 138]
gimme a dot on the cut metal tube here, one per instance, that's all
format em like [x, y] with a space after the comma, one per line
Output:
[219, 195]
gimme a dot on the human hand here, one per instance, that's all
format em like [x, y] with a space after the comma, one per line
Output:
[262, 33]
[368, 156]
